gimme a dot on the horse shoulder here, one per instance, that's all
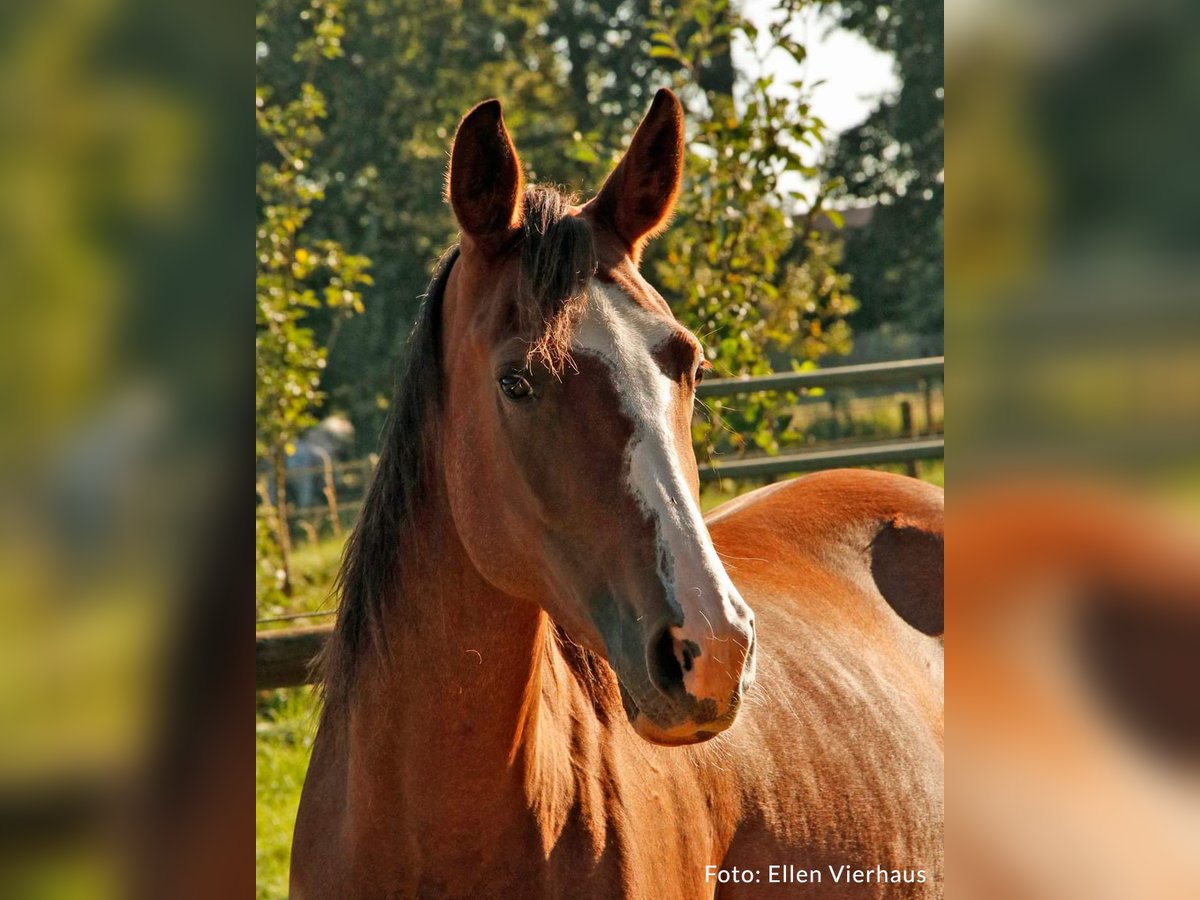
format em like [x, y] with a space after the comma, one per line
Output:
[850, 564]
[880, 531]
[318, 865]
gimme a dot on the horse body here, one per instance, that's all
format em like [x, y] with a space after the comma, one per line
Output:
[509, 770]
[550, 677]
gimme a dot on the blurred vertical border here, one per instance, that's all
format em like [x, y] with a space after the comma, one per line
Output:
[1073, 563]
[123, 215]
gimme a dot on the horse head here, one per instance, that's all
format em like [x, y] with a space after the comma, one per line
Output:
[566, 436]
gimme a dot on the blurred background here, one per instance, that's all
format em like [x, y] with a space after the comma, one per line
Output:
[1073, 569]
[119, 371]
[809, 238]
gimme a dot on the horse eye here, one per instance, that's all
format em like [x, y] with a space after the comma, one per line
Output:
[699, 374]
[515, 387]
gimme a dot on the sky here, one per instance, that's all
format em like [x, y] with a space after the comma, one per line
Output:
[843, 74]
[855, 74]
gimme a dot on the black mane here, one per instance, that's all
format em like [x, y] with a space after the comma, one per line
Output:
[557, 260]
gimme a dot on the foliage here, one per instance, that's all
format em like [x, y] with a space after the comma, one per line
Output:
[575, 76]
[895, 160]
[295, 273]
[756, 282]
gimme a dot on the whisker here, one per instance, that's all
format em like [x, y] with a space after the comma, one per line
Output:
[725, 556]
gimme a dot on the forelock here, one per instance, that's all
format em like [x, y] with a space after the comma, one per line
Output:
[558, 260]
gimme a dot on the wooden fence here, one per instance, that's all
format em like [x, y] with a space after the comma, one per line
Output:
[283, 658]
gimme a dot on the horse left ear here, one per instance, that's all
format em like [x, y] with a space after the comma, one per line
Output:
[639, 196]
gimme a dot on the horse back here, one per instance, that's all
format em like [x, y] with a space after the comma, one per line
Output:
[843, 733]
[880, 532]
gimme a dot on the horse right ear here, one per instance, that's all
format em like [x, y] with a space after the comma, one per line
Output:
[639, 196]
[484, 182]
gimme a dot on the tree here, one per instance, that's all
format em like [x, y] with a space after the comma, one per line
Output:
[895, 160]
[294, 275]
[755, 282]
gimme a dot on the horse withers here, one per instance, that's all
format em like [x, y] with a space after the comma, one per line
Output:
[549, 675]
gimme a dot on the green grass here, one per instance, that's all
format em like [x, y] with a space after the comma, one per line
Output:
[285, 722]
[314, 566]
[844, 415]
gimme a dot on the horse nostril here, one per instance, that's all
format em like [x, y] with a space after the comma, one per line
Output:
[665, 669]
[686, 654]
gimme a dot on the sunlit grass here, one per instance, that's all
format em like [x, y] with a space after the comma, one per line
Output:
[314, 567]
[285, 722]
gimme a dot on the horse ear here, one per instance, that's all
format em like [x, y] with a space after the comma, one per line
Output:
[637, 199]
[484, 182]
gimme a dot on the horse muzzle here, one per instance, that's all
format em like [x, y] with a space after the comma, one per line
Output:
[698, 677]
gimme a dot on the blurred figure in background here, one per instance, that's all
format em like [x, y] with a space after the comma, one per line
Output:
[316, 450]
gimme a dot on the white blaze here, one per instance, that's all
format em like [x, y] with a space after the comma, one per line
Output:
[624, 335]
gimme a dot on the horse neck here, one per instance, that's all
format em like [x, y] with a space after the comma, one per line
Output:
[448, 730]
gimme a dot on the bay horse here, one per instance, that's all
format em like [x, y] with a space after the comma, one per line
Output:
[550, 676]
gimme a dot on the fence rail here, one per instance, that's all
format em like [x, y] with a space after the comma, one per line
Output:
[285, 658]
[908, 370]
[828, 458]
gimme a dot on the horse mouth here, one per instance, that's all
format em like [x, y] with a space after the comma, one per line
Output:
[694, 730]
